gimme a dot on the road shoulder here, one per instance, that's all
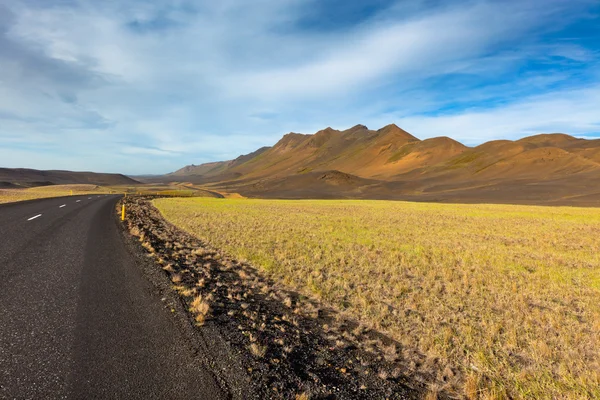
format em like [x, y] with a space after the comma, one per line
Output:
[210, 349]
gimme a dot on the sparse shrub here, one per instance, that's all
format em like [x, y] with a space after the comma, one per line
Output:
[200, 307]
[258, 350]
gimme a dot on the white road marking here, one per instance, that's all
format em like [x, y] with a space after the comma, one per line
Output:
[89, 198]
[32, 218]
[64, 205]
[77, 201]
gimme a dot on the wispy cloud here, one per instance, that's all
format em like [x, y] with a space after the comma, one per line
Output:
[185, 82]
[572, 111]
[443, 41]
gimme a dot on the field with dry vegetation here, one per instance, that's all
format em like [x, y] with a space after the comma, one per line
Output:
[40, 192]
[500, 301]
[169, 190]
[12, 195]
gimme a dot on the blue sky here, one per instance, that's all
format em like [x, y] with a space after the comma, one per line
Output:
[141, 87]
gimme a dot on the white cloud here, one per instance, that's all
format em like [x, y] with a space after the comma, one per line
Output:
[422, 46]
[164, 84]
[565, 111]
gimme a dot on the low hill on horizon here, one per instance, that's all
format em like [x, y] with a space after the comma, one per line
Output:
[390, 163]
[25, 177]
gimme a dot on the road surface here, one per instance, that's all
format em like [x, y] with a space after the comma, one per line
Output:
[77, 318]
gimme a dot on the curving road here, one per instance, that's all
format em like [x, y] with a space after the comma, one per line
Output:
[77, 318]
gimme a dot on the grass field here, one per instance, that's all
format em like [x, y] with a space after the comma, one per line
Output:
[170, 190]
[503, 301]
[12, 195]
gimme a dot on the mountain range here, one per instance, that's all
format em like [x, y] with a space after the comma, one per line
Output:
[390, 163]
[24, 177]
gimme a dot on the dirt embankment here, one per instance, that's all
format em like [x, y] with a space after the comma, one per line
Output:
[289, 346]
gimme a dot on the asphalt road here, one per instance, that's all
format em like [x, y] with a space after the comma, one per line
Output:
[77, 318]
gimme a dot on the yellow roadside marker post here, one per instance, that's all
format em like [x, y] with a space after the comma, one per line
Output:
[71, 192]
[123, 213]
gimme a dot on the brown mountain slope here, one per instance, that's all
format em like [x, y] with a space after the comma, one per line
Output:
[316, 185]
[419, 155]
[589, 149]
[357, 150]
[540, 163]
[559, 140]
[206, 169]
[391, 163]
[22, 177]
[216, 168]
[530, 157]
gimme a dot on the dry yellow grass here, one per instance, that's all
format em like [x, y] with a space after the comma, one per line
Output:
[503, 301]
[200, 308]
[171, 190]
[258, 350]
[12, 195]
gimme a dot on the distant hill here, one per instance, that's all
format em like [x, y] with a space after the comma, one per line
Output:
[22, 177]
[219, 170]
[391, 163]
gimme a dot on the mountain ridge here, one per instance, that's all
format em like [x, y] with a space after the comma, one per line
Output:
[392, 163]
